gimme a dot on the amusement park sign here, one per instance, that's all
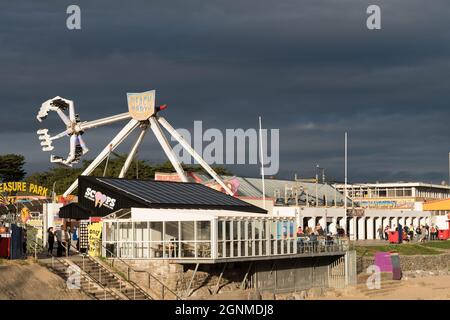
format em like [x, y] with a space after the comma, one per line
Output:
[22, 186]
[141, 106]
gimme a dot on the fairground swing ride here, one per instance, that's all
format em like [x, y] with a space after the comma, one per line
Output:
[142, 113]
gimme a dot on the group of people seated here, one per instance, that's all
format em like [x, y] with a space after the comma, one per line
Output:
[310, 236]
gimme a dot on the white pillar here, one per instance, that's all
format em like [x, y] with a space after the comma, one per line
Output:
[385, 222]
[312, 222]
[352, 234]
[299, 221]
[323, 223]
[415, 222]
[333, 226]
[362, 228]
[370, 231]
[421, 222]
[343, 223]
[394, 222]
[408, 221]
[378, 223]
[401, 220]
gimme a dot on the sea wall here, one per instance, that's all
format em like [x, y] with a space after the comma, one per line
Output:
[413, 263]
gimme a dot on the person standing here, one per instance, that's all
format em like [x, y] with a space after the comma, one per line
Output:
[68, 238]
[50, 240]
[299, 232]
[386, 233]
[75, 238]
[423, 234]
[411, 232]
[380, 232]
[59, 237]
[24, 242]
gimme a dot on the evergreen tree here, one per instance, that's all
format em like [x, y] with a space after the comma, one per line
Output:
[11, 167]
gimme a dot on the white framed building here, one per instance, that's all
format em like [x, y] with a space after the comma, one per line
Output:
[205, 236]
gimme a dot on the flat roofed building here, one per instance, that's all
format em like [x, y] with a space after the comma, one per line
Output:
[397, 195]
[99, 196]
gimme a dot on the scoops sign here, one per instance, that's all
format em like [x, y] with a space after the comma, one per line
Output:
[99, 199]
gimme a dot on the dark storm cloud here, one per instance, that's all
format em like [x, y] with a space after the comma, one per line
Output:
[310, 68]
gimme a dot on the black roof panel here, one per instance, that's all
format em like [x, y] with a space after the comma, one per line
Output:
[173, 194]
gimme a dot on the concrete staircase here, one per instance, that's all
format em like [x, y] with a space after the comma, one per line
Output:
[109, 279]
[89, 286]
[387, 285]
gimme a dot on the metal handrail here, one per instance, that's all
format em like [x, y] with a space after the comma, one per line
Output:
[132, 283]
[82, 274]
[100, 273]
[150, 276]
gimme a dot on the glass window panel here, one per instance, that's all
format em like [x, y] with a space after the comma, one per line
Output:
[140, 231]
[203, 230]
[249, 248]
[110, 231]
[187, 249]
[257, 229]
[227, 249]
[171, 249]
[187, 230]
[235, 230]
[125, 231]
[111, 250]
[220, 230]
[249, 230]
[220, 249]
[228, 230]
[156, 229]
[171, 231]
[126, 249]
[263, 229]
[141, 250]
[242, 226]
[204, 249]
[156, 250]
[235, 248]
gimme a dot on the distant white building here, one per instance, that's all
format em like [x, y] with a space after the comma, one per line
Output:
[396, 195]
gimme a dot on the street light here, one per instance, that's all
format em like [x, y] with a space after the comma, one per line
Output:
[323, 173]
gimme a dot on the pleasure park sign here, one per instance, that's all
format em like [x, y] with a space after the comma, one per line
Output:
[142, 113]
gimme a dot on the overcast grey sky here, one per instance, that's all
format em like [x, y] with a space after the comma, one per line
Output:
[310, 68]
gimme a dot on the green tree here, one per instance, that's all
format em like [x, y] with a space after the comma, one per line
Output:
[11, 167]
[63, 177]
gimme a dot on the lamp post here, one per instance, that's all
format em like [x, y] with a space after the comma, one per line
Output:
[53, 192]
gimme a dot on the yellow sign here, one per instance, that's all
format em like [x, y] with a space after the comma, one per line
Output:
[95, 238]
[22, 186]
[141, 105]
